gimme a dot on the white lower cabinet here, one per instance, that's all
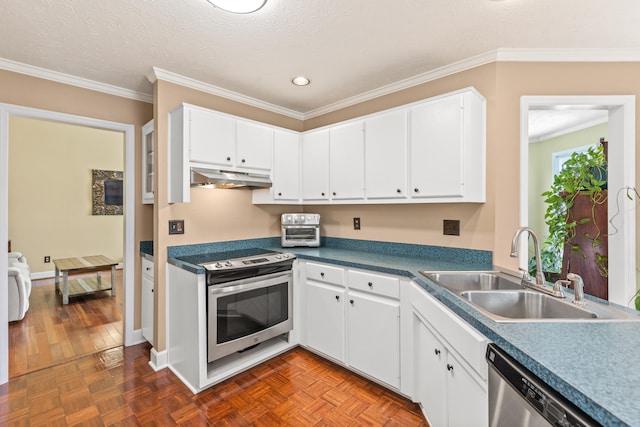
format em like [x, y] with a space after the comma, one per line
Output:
[147, 300]
[325, 319]
[353, 317]
[450, 374]
[374, 337]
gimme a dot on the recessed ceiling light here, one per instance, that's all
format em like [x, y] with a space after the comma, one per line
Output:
[300, 81]
[238, 6]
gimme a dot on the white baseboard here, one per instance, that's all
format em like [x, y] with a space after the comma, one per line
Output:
[158, 359]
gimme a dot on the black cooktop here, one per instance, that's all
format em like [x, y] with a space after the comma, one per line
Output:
[223, 256]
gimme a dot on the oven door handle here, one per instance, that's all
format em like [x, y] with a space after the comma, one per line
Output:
[250, 284]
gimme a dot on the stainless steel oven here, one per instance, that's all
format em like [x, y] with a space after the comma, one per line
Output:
[249, 299]
[299, 229]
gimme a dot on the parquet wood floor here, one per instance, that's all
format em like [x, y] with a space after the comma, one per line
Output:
[117, 387]
[52, 333]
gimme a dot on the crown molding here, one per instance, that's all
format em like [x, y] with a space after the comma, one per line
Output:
[168, 76]
[55, 76]
[566, 131]
[499, 55]
[410, 82]
[568, 55]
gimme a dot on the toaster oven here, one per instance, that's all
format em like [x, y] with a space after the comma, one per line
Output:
[300, 229]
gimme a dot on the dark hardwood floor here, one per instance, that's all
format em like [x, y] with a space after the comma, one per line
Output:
[52, 333]
[118, 387]
[68, 367]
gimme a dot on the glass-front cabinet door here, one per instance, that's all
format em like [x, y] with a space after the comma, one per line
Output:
[148, 151]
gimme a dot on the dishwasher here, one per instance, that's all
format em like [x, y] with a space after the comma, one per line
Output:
[519, 398]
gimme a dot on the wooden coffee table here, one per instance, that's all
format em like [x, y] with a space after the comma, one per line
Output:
[84, 286]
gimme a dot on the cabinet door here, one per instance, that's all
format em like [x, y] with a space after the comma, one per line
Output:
[148, 153]
[254, 145]
[326, 319]
[436, 148]
[373, 337]
[431, 374]
[286, 166]
[346, 161]
[147, 300]
[315, 165]
[386, 156]
[468, 402]
[211, 138]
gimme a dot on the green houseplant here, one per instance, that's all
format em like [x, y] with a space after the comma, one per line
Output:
[582, 180]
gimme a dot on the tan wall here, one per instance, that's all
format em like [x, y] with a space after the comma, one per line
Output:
[50, 189]
[213, 215]
[23, 90]
[421, 223]
[517, 79]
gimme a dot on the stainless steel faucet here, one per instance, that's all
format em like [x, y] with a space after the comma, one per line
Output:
[539, 284]
[540, 280]
[578, 288]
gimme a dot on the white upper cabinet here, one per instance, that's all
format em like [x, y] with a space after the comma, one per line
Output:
[212, 137]
[286, 166]
[205, 138]
[254, 146]
[386, 156]
[346, 161]
[446, 150]
[315, 165]
[148, 154]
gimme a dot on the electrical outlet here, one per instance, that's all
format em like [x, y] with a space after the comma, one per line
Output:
[356, 223]
[176, 226]
[47, 259]
[451, 227]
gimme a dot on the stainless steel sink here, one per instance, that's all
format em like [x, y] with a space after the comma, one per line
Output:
[525, 305]
[460, 281]
[502, 298]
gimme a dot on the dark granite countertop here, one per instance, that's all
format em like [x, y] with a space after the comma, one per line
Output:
[593, 364]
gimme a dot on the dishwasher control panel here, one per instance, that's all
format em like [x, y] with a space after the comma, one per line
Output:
[530, 394]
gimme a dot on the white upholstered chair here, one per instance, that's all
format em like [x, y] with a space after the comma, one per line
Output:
[19, 286]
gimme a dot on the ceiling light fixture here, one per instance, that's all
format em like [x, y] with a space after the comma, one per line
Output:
[238, 6]
[300, 81]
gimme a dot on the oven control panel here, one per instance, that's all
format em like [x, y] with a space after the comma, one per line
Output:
[237, 263]
[300, 219]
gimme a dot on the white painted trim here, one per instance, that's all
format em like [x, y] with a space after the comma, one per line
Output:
[622, 245]
[565, 131]
[567, 55]
[55, 76]
[168, 76]
[158, 360]
[498, 55]
[7, 110]
[447, 70]
[4, 236]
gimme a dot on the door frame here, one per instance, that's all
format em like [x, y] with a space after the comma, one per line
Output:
[622, 174]
[7, 111]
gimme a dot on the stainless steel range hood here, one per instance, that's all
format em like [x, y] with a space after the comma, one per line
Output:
[228, 179]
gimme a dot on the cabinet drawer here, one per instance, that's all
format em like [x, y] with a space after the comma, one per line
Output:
[466, 341]
[325, 273]
[147, 267]
[374, 283]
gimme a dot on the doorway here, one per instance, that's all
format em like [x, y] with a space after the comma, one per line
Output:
[7, 111]
[621, 128]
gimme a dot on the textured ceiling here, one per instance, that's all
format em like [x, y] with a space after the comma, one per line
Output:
[346, 47]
